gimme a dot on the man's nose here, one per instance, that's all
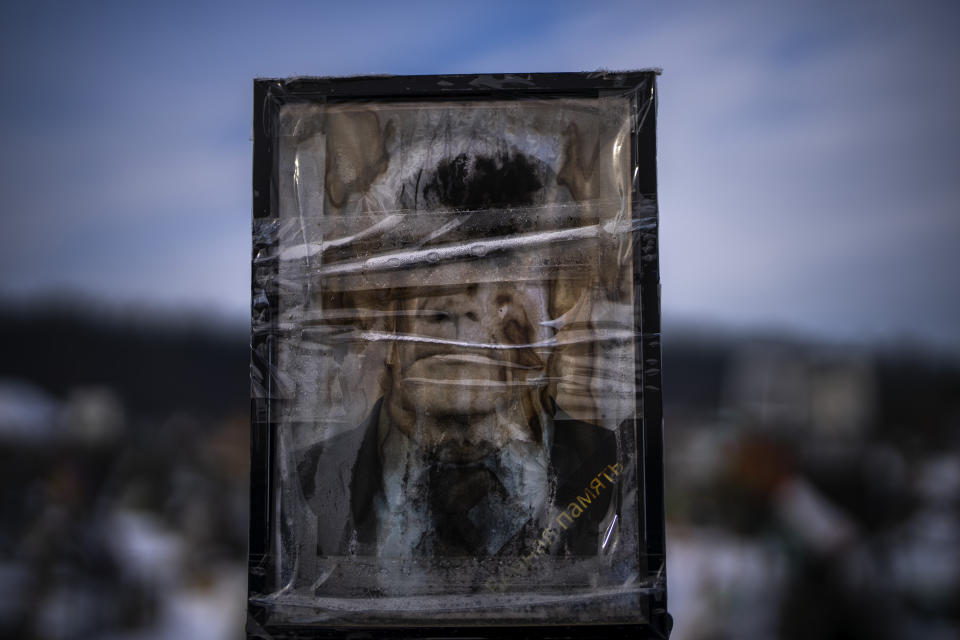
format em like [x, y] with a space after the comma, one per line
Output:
[464, 316]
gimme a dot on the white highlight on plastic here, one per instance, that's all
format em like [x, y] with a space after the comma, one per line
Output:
[433, 255]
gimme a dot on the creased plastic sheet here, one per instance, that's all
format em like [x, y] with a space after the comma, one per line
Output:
[453, 377]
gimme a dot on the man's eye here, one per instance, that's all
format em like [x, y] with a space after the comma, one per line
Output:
[517, 333]
[438, 317]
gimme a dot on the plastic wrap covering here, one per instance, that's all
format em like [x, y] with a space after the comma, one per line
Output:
[455, 355]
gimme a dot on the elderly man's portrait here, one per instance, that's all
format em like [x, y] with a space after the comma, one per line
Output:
[455, 359]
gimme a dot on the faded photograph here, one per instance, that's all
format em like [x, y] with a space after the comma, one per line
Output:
[456, 357]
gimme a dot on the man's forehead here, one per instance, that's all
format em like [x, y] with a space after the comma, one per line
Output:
[501, 291]
[405, 249]
[423, 271]
[357, 234]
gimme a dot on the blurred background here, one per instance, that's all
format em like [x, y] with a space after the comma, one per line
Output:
[809, 158]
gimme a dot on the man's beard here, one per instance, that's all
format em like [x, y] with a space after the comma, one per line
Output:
[479, 508]
[472, 513]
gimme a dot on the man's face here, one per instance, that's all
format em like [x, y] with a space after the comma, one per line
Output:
[465, 366]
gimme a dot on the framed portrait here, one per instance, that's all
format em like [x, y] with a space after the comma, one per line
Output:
[455, 360]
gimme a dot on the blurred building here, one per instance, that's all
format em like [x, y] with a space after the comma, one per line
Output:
[813, 491]
[125, 510]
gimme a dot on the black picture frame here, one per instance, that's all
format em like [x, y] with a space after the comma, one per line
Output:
[270, 95]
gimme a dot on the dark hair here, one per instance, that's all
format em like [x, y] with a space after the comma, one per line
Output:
[493, 190]
[468, 183]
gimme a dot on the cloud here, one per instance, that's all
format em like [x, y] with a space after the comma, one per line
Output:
[807, 160]
[808, 156]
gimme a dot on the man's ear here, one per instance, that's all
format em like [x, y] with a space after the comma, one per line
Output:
[580, 158]
[356, 147]
[589, 172]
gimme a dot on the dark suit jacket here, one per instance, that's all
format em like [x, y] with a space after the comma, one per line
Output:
[339, 479]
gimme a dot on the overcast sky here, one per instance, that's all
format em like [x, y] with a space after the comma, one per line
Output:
[809, 156]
